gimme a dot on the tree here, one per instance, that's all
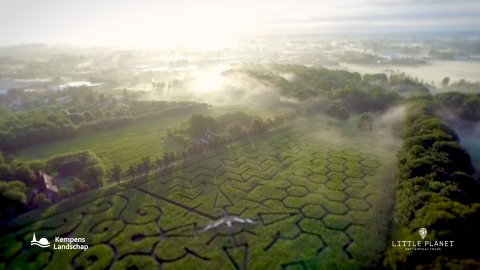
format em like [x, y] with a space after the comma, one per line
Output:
[94, 175]
[5, 173]
[131, 171]
[257, 125]
[166, 158]
[365, 121]
[445, 81]
[332, 110]
[24, 173]
[41, 200]
[88, 116]
[343, 114]
[158, 163]
[63, 193]
[13, 197]
[76, 118]
[116, 173]
[99, 114]
[139, 168]
[146, 164]
[78, 185]
[337, 112]
[235, 130]
[200, 125]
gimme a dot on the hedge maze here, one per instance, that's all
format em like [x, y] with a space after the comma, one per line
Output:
[313, 205]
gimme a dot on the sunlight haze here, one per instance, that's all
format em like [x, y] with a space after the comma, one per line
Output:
[211, 23]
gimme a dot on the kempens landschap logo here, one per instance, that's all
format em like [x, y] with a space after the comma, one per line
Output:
[61, 243]
[42, 243]
[423, 245]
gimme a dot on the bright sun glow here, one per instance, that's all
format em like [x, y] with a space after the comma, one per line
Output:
[197, 26]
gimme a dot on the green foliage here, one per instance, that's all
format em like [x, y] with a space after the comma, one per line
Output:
[257, 125]
[94, 175]
[76, 118]
[347, 88]
[338, 112]
[462, 105]
[5, 172]
[324, 220]
[435, 189]
[113, 146]
[445, 81]
[87, 158]
[78, 185]
[20, 129]
[96, 257]
[64, 193]
[200, 125]
[41, 200]
[116, 173]
[13, 197]
[365, 121]
[203, 133]
[24, 173]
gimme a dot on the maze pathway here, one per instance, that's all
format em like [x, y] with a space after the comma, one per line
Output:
[314, 205]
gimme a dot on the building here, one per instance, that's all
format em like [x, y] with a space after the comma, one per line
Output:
[46, 185]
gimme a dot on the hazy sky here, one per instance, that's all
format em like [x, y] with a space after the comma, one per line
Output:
[165, 22]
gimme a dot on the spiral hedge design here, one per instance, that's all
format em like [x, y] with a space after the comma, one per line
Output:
[315, 205]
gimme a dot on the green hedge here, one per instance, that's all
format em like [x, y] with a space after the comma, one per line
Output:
[435, 190]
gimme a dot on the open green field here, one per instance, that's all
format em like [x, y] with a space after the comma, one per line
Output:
[121, 145]
[127, 144]
[315, 204]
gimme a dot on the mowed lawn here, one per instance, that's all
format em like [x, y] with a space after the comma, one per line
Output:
[122, 145]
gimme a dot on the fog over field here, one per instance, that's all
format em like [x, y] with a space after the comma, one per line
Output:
[239, 134]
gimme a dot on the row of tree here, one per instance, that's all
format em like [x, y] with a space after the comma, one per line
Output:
[435, 190]
[204, 132]
[201, 133]
[23, 129]
[145, 166]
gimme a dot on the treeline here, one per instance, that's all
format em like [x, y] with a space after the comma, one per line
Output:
[23, 129]
[462, 105]
[435, 190]
[352, 91]
[143, 167]
[200, 134]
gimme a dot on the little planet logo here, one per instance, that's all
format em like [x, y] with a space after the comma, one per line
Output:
[422, 232]
[43, 242]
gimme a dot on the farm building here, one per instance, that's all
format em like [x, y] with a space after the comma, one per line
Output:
[46, 185]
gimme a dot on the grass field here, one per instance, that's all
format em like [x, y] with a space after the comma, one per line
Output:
[122, 145]
[315, 204]
[126, 144]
